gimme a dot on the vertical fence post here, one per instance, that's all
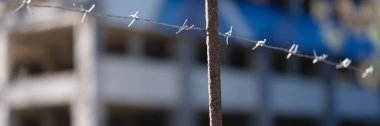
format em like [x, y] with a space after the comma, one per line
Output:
[213, 63]
[4, 76]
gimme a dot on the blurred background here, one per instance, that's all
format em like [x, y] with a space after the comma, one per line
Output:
[56, 71]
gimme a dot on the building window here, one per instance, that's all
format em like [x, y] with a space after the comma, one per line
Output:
[28, 69]
[306, 6]
[307, 68]
[36, 53]
[238, 56]
[235, 56]
[229, 119]
[116, 41]
[159, 47]
[283, 4]
[201, 52]
[246, 1]
[347, 76]
[129, 116]
[343, 74]
[356, 122]
[296, 121]
[279, 62]
[50, 116]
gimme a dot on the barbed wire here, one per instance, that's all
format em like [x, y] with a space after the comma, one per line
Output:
[292, 51]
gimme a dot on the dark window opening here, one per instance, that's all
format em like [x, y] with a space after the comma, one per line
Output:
[116, 41]
[296, 121]
[238, 56]
[283, 4]
[129, 116]
[28, 69]
[306, 6]
[344, 75]
[359, 2]
[280, 62]
[245, 1]
[308, 68]
[53, 116]
[159, 47]
[202, 52]
[357, 123]
[229, 119]
[36, 53]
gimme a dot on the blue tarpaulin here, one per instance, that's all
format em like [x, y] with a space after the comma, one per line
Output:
[279, 27]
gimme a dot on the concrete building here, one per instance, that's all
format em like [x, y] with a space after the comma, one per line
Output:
[56, 71]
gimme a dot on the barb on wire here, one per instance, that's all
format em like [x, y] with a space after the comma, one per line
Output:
[367, 71]
[319, 58]
[259, 43]
[228, 34]
[184, 27]
[344, 64]
[134, 17]
[25, 3]
[85, 11]
[292, 50]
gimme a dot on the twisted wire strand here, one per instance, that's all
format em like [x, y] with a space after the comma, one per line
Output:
[144, 20]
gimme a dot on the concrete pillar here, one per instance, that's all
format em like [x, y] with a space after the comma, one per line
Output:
[135, 44]
[87, 109]
[4, 76]
[265, 116]
[184, 113]
[4, 70]
[5, 111]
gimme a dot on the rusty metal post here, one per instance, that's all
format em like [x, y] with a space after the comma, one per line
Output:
[213, 63]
